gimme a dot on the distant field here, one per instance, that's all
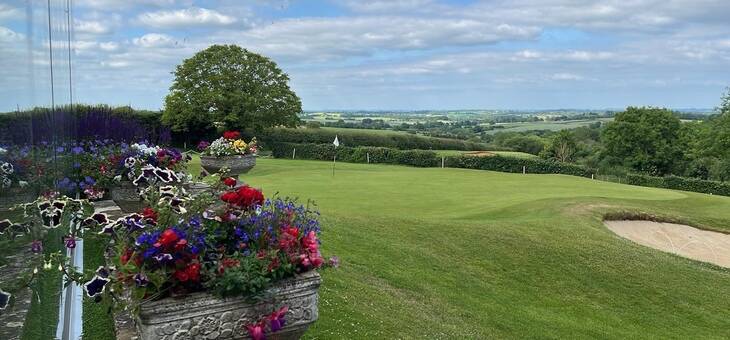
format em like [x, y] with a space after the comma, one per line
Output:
[549, 125]
[366, 131]
[514, 154]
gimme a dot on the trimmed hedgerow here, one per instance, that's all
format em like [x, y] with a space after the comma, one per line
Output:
[420, 158]
[680, 183]
[356, 138]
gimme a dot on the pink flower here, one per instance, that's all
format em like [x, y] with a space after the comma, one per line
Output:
[256, 331]
[276, 319]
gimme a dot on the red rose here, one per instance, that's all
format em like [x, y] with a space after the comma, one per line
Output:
[168, 238]
[231, 135]
[229, 181]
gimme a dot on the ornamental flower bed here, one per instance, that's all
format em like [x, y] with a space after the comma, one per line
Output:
[230, 152]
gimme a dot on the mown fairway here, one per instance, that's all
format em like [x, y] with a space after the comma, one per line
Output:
[448, 253]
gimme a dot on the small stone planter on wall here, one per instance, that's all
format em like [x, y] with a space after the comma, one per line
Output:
[126, 196]
[237, 164]
[203, 316]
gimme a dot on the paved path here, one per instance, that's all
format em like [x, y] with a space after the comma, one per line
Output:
[13, 317]
[693, 243]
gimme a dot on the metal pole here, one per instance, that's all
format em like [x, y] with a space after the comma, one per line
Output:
[524, 169]
[294, 153]
[368, 154]
[442, 162]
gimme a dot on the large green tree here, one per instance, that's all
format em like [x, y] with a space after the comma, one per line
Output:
[645, 139]
[562, 147]
[231, 87]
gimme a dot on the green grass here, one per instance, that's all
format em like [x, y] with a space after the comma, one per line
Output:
[453, 253]
[98, 321]
[546, 125]
[42, 317]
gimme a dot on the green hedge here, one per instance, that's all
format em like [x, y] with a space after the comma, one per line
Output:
[423, 158]
[325, 152]
[356, 138]
[680, 183]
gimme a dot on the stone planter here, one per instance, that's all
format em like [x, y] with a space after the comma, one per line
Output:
[197, 188]
[126, 196]
[13, 197]
[203, 316]
[238, 164]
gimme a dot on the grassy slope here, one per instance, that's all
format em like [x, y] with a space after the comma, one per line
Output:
[546, 125]
[446, 253]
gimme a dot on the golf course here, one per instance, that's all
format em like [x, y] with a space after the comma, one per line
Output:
[470, 254]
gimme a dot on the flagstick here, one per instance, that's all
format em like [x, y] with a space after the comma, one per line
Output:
[334, 161]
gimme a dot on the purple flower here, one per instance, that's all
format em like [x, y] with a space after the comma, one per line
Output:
[334, 262]
[141, 280]
[36, 247]
[77, 150]
[203, 145]
[70, 242]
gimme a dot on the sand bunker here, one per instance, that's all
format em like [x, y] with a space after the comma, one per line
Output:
[693, 243]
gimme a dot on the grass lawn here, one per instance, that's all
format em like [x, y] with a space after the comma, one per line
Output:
[453, 253]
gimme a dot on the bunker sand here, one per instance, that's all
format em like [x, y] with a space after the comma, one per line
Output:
[693, 243]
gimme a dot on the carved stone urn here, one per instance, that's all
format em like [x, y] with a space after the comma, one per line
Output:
[237, 164]
[204, 316]
[126, 196]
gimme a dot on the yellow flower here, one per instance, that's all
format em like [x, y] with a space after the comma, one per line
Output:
[239, 145]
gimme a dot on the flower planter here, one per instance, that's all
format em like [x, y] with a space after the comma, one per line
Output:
[203, 316]
[15, 197]
[126, 196]
[197, 188]
[237, 164]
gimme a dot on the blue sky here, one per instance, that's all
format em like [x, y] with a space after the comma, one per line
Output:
[395, 54]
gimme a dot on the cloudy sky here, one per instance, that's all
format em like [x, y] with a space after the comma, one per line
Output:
[395, 54]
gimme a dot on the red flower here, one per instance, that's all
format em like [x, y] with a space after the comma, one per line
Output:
[309, 242]
[125, 256]
[231, 135]
[256, 331]
[244, 197]
[180, 245]
[229, 181]
[189, 273]
[168, 238]
[289, 238]
[149, 214]
[227, 263]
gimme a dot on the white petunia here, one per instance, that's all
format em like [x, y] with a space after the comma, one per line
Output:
[7, 168]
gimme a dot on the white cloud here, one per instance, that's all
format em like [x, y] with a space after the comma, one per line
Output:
[91, 27]
[109, 46]
[154, 40]
[565, 76]
[193, 16]
[7, 11]
[8, 35]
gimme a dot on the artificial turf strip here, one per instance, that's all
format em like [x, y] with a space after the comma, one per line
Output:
[98, 320]
[42, 318]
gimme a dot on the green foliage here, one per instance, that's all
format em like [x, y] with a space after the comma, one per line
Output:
[562, 148]
[680, 183]
[645, 139]
[249, 279]
[353, 138]
[420, 158]
[229, 85]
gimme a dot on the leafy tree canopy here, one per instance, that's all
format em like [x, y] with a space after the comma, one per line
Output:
[645, 139]
[230, 87]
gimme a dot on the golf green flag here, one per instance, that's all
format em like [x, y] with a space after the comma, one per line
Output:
[336, 142]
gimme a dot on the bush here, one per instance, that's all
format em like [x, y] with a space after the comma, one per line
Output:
[358, 138]
[326, 152]
[681, 183]
[82, 122]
